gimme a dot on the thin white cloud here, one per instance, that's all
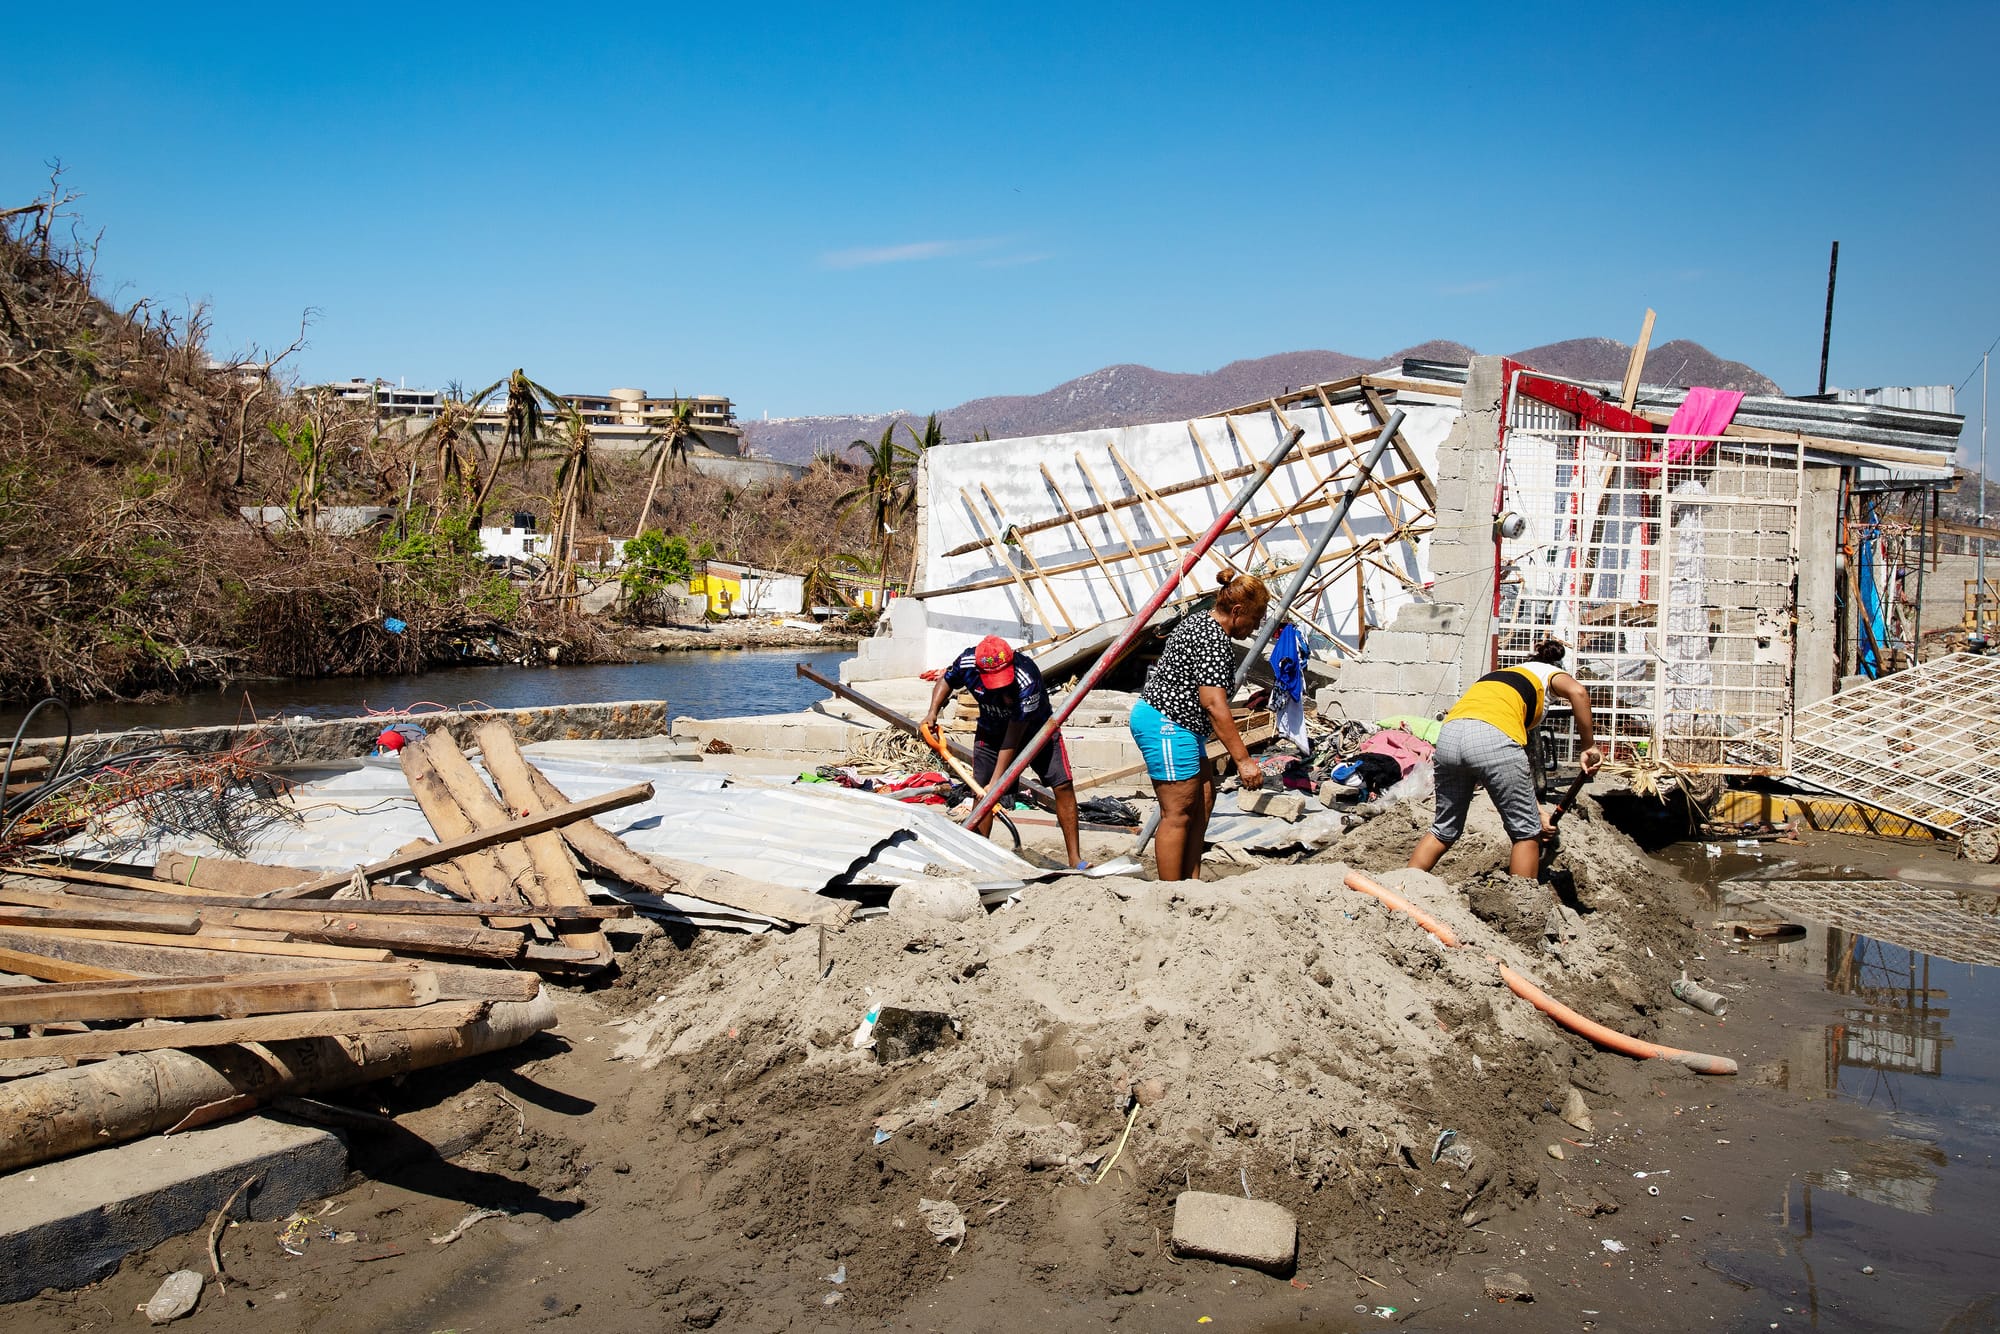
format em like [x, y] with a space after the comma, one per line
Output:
[862, 257]
[1012, 261]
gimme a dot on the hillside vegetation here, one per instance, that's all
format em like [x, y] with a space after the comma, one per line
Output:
[127, 456]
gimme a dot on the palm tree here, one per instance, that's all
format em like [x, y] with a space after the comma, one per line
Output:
[528, 408]
[825, 572]
[577, 483]
[889, 491]
[452, 435]
[670, 441]
[933, 435]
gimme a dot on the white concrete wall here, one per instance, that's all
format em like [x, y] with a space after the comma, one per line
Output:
[1162, 454]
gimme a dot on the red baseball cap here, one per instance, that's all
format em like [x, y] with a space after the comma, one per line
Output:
[995, 662]
[391, 740]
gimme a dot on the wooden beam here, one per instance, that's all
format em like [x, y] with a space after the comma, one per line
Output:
[1628, 393]
[1083, 536]
[92, 915]
[50, 968]
[556, 883]
[223, 997]
[1112, 505]
[223, 875]
[417, 859]
[1425, 486]
[1027, 554]
[1028, 599]
[130, 889]
[262, 1028]
[457, 802]
[206, 942]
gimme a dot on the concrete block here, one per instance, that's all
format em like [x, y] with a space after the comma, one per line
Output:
[1281, 804]
[1254, 1233]
[68, 1223]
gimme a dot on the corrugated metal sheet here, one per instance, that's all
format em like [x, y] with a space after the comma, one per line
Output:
[1864, 422]
[813, 837]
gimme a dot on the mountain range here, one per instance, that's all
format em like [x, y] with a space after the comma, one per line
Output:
[1126, 395]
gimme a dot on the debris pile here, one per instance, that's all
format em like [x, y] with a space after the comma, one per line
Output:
[1269, 1032]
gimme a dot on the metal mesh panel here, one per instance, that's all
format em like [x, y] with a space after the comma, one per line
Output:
[1935, 921]
[1672, 582]
[1924, 743]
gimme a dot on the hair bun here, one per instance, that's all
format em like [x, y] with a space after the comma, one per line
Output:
[1222, 579]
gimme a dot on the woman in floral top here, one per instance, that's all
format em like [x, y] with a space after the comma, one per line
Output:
[1186, 700]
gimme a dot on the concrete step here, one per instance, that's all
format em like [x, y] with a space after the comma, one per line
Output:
[68, 1223]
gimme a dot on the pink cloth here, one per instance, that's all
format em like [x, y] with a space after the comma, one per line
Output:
[1702, 412]
[1406, 750]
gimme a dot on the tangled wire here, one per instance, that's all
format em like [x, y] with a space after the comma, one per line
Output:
[129, 788]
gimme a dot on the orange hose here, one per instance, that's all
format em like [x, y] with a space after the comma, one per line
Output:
[1396, 903]
[1609, 1037]
[1541, 1000]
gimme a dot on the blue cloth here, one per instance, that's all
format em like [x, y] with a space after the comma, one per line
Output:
[1288, 653]
[1173, 754]
[1288, 664]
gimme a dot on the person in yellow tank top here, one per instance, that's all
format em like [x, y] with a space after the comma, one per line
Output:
[1484, 742]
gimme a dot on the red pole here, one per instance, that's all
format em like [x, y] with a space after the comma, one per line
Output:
[1003, 783]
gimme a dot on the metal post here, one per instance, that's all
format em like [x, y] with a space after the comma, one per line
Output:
[1040, 795]
[1136, 626]
[1978, 641]
[1826, 331]
[1267, 631]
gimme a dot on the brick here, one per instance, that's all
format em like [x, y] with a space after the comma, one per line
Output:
[1282, 804]
[1253, 1233]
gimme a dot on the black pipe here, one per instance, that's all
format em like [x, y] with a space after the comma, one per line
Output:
[1826, 331]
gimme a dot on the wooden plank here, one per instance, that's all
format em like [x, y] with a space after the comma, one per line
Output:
[1083, 536]
[1267, 521]
[261, 1028]
[1111, 505]
[430, 906]
[1402, 447]
[443, 874]
[206, 943]
[1223, 565]
[50, 968]
[26, 765]
[1000, 553]
[223, 875]
[1628, 393]
[92, 915]
[492, 875]
[556, 884]
[741, 892]
[599, 846]
[229, 998]
[1027, 554]
[419, 858]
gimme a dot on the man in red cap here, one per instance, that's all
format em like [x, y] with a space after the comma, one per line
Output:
[1013, 705]
[389, 742]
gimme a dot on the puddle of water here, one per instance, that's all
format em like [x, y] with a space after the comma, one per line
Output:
[1911, 1040]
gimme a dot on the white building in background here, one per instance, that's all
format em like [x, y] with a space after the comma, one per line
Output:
[390, 400]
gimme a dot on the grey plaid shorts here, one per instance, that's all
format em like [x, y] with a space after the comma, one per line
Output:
[1472, 753]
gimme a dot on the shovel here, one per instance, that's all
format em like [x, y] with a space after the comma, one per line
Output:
[1552, 839]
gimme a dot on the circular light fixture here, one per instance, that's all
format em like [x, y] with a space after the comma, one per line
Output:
[1510, 525]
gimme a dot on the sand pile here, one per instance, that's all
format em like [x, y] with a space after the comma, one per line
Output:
[1275, 1031]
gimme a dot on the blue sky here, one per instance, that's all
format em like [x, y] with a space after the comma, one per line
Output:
[848, 208]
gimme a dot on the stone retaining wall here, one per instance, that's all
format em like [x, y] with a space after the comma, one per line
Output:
[292, 740]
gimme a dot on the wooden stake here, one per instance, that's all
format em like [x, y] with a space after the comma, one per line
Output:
[1001, 554]
[1029, 556]
[556, 881]
[1628, 394]
[1083, 536]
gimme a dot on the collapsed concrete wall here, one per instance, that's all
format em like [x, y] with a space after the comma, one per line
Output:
[1063, 577]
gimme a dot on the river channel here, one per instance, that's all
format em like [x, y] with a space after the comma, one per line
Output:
[700, 684]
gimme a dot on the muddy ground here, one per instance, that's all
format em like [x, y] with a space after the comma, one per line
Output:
[702, 1145]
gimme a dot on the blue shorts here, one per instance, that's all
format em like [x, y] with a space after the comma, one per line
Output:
[1173, 754]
